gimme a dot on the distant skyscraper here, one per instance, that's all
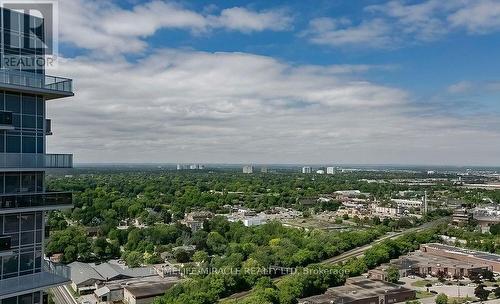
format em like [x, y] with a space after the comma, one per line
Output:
[24, 201]
[264, 170]
[306, 170]
[330, 170]
[248, 169]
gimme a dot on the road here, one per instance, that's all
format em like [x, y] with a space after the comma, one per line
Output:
[356, 252]
[62, 295]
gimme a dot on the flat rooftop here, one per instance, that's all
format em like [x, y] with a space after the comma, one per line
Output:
[356, 288]
[422, 259]
[141, 291]
[465, 252]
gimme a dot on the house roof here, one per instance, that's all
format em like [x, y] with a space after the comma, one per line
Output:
[151, 290]
[111, 271]
[81, 272]
[102, 291]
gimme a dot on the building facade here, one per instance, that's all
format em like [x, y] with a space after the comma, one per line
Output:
[491, 260]
[24, 201]
[361, 290]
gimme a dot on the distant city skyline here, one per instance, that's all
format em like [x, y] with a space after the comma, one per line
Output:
[360, 82]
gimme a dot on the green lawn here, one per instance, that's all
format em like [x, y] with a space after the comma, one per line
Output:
[422, 283]
[424, 294]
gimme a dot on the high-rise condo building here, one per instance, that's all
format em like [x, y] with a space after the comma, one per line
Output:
[24, 201]
[248, 169]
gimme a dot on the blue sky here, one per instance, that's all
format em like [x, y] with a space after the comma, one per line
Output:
[408, 82]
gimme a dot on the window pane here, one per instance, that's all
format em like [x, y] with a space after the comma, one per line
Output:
[10, 264]
[29, 104]
[2, 143]
[11, 223]
[27, 238]
[13, 103]
[29, 121]
[13, 144]
[39, 106]
[29, 144]
[38, 217]
[12, 183]
[27, 261]
[27, 221]
[39, 144]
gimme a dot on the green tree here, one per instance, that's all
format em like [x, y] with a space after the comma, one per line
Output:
[182, 256]
[134, 259]
[392, 274]
[200, 256]
[481, 293]
[442, 299]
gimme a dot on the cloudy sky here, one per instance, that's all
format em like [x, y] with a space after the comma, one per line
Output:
[368, 82]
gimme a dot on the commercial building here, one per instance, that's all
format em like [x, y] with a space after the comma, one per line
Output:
[487, 217]
[465, 255]
[421, 263]
[330, 170]
[306, 170]
[361, 290]
[408, 203]
[24, 201]
[386, 211]
[461, 216]
[248, 169]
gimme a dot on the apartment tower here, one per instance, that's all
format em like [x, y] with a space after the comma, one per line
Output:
[24, 201]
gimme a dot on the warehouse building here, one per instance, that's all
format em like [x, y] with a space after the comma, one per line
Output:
[464, 255]
[361, 290]
[421, 264]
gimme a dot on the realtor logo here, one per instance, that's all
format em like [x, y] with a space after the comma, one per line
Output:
[30, 34]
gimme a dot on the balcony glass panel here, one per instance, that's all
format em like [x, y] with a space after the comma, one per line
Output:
[35, 160]
[51, 276]
[39, 200]
[34, 80]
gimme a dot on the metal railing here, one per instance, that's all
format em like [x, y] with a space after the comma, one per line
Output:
[34, 80]
[35, 160]
[34, 200]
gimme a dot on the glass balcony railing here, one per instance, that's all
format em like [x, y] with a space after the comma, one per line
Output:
[35, 160]
[36, 200]
[57, 269]
[51, 276]
[34, 80]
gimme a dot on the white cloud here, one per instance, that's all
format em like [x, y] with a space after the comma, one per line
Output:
[398, 23]
[244, 20]
[460, 87]
[181, 106]
[340, 32]
[478, 16]
[110, 29]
